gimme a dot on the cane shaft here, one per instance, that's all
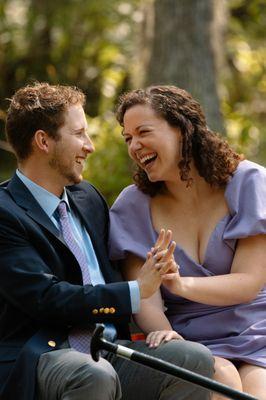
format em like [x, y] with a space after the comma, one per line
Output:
[174, 370]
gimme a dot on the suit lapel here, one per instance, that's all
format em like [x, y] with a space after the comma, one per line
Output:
[85, 209]
[87, 213]
[23, 197]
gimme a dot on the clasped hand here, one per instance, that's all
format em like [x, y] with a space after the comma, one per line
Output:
[159, 263]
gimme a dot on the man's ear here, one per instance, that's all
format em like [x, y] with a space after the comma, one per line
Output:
[41, 140]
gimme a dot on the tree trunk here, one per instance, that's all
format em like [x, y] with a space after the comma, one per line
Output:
[184, 43]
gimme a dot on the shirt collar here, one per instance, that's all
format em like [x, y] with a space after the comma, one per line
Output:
[47, 200]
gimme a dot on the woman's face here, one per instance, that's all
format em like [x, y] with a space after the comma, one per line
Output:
[152, 143]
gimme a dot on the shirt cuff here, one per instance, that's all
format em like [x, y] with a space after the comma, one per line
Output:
[134, 296]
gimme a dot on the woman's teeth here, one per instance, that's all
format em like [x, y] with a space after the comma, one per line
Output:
[149, 157]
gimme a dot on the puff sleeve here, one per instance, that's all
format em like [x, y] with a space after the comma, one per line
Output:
[246, 198]
[130, 225]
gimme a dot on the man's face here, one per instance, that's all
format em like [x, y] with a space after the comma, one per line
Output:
[70, 151]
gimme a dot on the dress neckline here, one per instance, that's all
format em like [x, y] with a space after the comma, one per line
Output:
[179, 248]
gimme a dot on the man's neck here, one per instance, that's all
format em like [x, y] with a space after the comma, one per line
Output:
[41, 177]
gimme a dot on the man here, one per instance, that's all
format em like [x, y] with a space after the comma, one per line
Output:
[56, 279]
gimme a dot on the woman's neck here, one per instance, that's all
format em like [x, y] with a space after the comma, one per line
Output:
[191, 193]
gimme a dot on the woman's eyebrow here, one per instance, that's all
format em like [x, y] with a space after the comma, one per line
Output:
[123, 133]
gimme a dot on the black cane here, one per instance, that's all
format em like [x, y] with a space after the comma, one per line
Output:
[99, 343]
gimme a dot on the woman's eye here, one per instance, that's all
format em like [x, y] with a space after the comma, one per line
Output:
[143, 132]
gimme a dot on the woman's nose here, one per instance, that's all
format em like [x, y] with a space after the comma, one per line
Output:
[135, 145]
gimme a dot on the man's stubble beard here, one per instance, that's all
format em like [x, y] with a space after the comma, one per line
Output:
[63, 170]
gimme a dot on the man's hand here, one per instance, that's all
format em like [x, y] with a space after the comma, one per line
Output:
[158, 263]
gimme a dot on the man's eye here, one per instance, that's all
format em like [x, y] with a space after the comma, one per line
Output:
[127, 139]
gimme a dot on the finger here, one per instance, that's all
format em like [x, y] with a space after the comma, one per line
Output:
[170, 251]
[150, 261]
[149, 255]
[164, 268]
[163, 241]
[160, 255]
[157, 339]
[172, 267]
[159, 266]
[165, 255]
[167, 239]
[150, 337]
[172, 335]
[169, 276]
[160, 238]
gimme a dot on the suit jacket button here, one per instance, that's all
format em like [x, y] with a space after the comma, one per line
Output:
[112, 310]
[106, 310]
[95, 311]
[101, 310]
[51, 343]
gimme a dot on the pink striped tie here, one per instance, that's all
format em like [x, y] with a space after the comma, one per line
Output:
[79, 339]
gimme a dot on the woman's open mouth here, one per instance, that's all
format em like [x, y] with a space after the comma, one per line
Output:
[147, 159]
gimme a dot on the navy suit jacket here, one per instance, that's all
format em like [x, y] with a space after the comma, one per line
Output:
[41, 291]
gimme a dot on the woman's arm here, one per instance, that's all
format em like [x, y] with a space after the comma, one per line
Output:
[151, 315]
[247, 278]
[151, 318]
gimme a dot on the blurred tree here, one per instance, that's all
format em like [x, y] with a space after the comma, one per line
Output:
[184, 37]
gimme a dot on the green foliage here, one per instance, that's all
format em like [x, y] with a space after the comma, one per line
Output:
[76, 42]
[91, 44]
[109, 168]
[244, 102]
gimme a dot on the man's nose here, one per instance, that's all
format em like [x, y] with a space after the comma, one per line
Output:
[88, 146]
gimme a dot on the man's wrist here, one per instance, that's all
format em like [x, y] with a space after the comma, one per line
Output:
[141, 289]
[134, 291]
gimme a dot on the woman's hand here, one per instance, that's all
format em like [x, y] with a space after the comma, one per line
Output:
[163, 250]
[163, 241]
[162, 253]
[172, 281]
[159, 262]
[154, 339]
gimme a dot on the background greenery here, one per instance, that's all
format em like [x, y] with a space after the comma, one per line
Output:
[102, 46]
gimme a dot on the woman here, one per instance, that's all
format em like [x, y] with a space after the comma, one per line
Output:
[189, 180]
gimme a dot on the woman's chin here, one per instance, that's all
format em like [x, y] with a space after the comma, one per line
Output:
[153, 178]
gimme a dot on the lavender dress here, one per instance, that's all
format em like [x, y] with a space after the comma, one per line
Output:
[235, 332]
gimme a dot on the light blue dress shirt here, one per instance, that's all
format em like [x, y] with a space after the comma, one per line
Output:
[49, 203]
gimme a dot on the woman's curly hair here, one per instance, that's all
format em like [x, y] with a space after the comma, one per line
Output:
[214, 159]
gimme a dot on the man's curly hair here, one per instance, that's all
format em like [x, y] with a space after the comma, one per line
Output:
[214, 159]
[38, 106]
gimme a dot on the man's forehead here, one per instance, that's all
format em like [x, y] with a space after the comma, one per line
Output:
[75, 116]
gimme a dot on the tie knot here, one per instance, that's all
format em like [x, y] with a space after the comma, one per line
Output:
[62, 209]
